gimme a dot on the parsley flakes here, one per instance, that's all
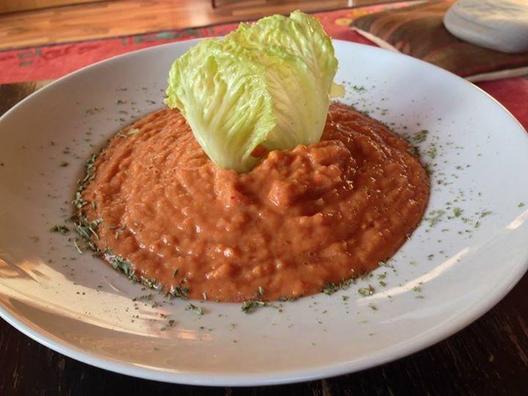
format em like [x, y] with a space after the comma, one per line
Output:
[195, 309]
[61, 229]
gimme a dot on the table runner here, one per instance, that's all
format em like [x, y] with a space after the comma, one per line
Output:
[31, 65]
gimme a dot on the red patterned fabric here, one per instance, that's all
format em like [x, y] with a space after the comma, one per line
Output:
[512, 93]
[54, 61]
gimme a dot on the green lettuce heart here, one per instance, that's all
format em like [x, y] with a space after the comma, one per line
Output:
[265, 84]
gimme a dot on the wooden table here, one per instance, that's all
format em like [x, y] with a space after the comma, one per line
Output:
[490, 357]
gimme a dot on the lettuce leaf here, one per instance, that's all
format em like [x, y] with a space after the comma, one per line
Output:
[266, 84]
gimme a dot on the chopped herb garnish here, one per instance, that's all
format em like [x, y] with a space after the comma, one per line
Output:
[150, 283]
[457, 212]
[367, 291]
[145, 298]
[290, 299]
[414, 151]
[64, 164]
[61, 229]
[178, 292]
[419, 137]
[251, 306]
[521, 204]
[331, 288]
[77, 246]
[435, 216]
[87, 229]
[195, 309]
[119, 263]
[432, 152]
[428, 169]
[359, 88]
[485, 213]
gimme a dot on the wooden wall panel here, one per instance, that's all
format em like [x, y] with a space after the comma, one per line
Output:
[25, 5]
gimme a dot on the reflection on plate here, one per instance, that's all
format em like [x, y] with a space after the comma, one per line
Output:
[468, 252]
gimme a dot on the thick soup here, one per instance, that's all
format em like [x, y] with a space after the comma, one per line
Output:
[299, 220]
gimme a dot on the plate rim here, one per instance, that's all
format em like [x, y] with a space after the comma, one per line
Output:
[400, 350]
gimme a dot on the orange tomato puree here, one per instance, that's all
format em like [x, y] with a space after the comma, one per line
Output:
[299, 220]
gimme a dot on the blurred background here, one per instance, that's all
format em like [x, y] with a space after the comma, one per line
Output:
[35, 22]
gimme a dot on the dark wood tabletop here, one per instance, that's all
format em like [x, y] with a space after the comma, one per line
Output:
[489, 357]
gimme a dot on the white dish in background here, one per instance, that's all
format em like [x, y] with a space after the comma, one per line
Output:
[84, 309]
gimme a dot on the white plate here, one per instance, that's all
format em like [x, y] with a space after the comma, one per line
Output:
[83, 309]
